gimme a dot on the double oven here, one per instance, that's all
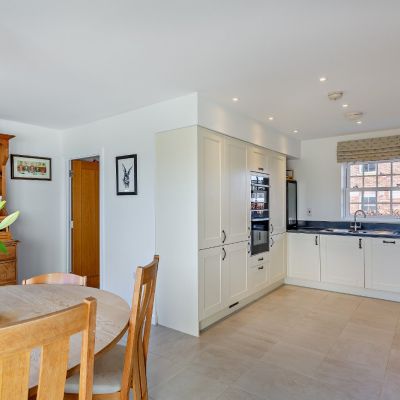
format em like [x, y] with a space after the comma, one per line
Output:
[259, 214]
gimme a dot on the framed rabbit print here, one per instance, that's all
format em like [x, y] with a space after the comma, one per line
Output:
[126, 169]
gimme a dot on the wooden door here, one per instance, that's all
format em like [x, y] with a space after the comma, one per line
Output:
[342, 260]
[85, 233]
[211, 232]
[304, 256]
[235, 199]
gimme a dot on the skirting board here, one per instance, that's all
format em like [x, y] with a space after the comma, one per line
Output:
[243, 303]
[376, 294]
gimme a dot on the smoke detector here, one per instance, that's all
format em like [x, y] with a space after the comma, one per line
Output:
[354, 116]
[335, 95]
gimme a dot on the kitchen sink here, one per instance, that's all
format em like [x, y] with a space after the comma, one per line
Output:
[361, 231]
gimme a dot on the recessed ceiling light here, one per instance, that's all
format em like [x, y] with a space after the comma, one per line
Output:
[296, 131]
[323, 79]
[235, 99]
[271, 118]
[359, 122]
[345, 105]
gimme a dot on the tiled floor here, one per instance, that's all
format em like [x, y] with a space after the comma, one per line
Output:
[295, 343]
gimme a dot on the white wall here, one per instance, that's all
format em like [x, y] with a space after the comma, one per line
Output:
[222, 119]
[39, 228]
[128, 223]
[319, 176]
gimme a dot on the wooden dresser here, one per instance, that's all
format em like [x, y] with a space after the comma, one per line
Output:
[8, 261]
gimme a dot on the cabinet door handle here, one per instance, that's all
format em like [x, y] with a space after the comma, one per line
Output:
[224, 233]
[262, 267]
[224, 256]
[261, 259]
[260, 169]
[316, 240]
[272, 242]
[389, 241]
[272, 228]
[360, 243]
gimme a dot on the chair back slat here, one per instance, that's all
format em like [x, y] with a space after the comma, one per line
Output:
[51, 333]
[134, 373]
[57, 278]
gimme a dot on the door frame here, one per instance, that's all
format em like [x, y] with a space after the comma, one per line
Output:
[80, 156]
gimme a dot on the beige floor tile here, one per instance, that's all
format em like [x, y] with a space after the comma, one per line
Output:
[351, 379]
[374, 319]
[275, 383]
[339, 303]
[220, 363]
[394, 362]
[161, 369]
[188, 385]
[237, 394]
[391, 387]
[367, 334]
[294, 358]
[380, 305]
[369, 354]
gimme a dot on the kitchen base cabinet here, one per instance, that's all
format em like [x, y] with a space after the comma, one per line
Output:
[277, 267]
[382, 264]
[236, 260]
[342, 260]
[304, 256]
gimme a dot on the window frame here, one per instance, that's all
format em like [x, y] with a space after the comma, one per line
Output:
[346, 190]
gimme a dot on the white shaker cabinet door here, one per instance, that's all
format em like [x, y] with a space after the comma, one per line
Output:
[257, 159]
[304, 256]
[210, 189]
[277, 269]
[277, 193]
[342, 260]
[236, 192]
[382, 264]
[213, 287]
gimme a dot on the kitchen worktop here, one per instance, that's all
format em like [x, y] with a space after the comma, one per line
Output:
[388, 230]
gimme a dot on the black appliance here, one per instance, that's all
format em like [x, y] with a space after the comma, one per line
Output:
[259, 213]
[291, 204]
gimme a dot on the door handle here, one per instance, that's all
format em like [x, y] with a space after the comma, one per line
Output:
[261, 259]
[224, 256]
[260, 169]
[389, 241]
[360, 243]
[224, 233]
[262, 267]
[316, 240]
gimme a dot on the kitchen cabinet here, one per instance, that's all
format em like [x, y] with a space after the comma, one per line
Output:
[223, 277]
[235, 194]
[382, 264]
[257, 159]
[304, 256]
[258, 276]
[212, 281]
[277, 171]
[210, 190]
[277, 267]
[342, 260]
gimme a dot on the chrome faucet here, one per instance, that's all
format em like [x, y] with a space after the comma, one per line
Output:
[362, 212]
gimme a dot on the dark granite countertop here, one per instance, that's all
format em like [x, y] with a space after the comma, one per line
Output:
[378, 230]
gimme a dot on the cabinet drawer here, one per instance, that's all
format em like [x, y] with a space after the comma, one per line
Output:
[7, 272]
[258, 277]
[10, 255]
[258, 259]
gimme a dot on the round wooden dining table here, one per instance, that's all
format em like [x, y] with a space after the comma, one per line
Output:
[21, 302]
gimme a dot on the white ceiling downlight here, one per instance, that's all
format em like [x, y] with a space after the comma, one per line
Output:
[271, 118]
[345, 105]
[235, 99]
[323, 79]
[359, 122]
[336, 95]
[296, 131]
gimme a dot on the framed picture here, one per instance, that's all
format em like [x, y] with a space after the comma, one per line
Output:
[30, 167]
[126, 168]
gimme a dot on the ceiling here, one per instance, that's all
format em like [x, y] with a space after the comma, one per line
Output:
[65, 63]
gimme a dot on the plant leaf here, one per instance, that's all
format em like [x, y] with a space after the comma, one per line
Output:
[3, 248]
[7, 221]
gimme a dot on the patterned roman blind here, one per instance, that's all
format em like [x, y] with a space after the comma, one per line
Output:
[376, 149]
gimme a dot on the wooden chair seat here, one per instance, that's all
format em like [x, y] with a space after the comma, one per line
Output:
[107, 377]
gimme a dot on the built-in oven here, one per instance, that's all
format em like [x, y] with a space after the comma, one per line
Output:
[259, 214]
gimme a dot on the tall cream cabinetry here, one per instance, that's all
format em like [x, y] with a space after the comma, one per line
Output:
[202, 228]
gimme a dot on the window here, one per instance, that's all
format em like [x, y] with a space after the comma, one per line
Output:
[373, 187]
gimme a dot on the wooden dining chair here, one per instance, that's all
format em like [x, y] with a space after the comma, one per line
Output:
[51, 333]
[60, 278]
[124, 368]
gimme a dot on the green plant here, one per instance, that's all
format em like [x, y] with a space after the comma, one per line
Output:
[6, 222]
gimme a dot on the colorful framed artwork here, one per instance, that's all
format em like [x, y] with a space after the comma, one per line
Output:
[30, 167]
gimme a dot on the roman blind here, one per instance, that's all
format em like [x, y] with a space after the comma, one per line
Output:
[375, 149]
